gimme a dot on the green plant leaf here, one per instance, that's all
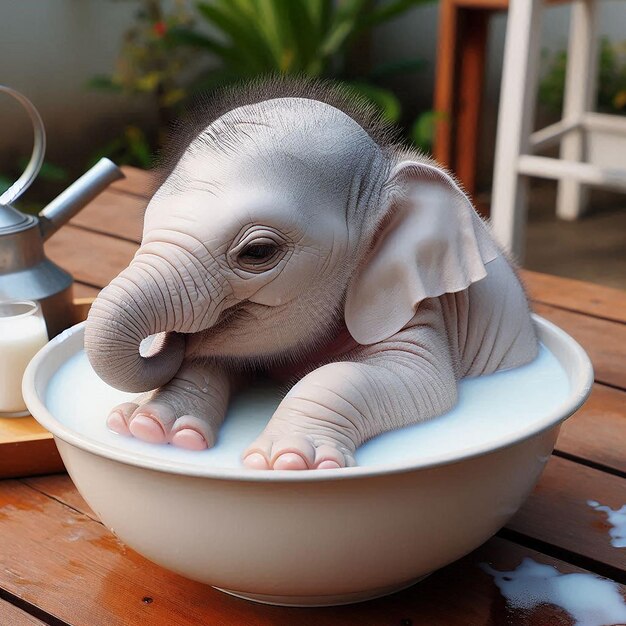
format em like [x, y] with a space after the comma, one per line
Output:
[54, 173]
[184, 36]
[253, 53]
[5, 183]
[138, 146]
[301, 35]
[343, 25]
[276, 28]
[104, 83]
[422, 130]
[214, 79]
[48, 172]
[383, 99]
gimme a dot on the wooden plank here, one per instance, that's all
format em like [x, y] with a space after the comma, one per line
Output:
[604, 341]
[116, 214]
[61, 488]
[91, 258]
[11, 615]
[50, 554]
[576, 295]
[85, 291]
[137, 182]
[597, 432]
[27, 449]
[557, 511]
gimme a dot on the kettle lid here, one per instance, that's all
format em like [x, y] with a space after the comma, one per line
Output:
[12, 220]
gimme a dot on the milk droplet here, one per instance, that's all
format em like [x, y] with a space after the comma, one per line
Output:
[617, 519]
[589, 599]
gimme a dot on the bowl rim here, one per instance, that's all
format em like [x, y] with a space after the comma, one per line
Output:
[581, 381]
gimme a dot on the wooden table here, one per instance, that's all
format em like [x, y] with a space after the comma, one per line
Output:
[59, 565]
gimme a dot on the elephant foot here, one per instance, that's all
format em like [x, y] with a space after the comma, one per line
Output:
[156, 422]
[186, 413]
[283, 447]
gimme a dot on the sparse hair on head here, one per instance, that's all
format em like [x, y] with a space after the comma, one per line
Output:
[209, 107]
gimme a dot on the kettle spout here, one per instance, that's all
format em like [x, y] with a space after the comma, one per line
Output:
[66, 205]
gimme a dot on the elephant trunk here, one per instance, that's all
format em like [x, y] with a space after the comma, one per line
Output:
[148, 298]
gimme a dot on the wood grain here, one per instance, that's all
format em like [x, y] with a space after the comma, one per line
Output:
[445, 96]
[576, 295]
[597, 432]
[85, 291]
[471, 77]
[35, 454]
[137, 182]
[91, 258]
[61, 488]
[604, 341]
[10, 615]
[557, 511]
[71, 566]
[116, 214]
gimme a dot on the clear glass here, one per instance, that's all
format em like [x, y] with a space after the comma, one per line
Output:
[22, 333]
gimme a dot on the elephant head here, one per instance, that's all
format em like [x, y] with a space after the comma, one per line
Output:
[285, 217]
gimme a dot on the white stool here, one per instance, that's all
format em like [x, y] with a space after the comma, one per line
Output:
[581, 163]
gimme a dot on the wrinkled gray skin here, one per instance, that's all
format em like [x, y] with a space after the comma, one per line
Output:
[286, 236]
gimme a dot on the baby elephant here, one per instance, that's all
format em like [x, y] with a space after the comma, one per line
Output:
[292, 234]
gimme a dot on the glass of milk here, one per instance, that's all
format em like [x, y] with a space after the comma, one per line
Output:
[22, 334]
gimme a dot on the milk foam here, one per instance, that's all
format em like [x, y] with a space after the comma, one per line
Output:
[589, 599]
[617, 519]
[490, 408]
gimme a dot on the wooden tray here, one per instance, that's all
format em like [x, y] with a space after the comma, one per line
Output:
[26, 448]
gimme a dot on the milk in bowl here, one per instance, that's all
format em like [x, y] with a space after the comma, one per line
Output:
[490, 409]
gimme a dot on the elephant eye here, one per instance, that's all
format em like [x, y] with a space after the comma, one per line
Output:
[258, 251]
[259, 255]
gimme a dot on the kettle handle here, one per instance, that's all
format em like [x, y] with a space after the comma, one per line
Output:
[39, 149]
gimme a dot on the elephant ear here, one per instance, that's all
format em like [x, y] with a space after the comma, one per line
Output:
[430, 242]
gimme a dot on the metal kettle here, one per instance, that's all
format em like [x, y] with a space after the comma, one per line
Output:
[25, 272]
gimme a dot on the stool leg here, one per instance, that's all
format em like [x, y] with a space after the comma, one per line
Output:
[471, 80]
[515, 122]
[444, 101]
[579, 97]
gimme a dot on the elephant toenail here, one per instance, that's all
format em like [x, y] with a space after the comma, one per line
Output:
[189, 439]
[117, 424]
[290, 461]
[256, 461]
[328, 465]
[147, 429]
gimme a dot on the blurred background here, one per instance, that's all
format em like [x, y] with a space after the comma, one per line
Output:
[108, 76]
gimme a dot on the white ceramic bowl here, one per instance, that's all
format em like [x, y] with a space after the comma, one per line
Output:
[308, 538]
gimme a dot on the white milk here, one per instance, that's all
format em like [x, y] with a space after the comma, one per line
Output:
[617, 519]
[489, 409]
[589, 599]
[22, 334]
